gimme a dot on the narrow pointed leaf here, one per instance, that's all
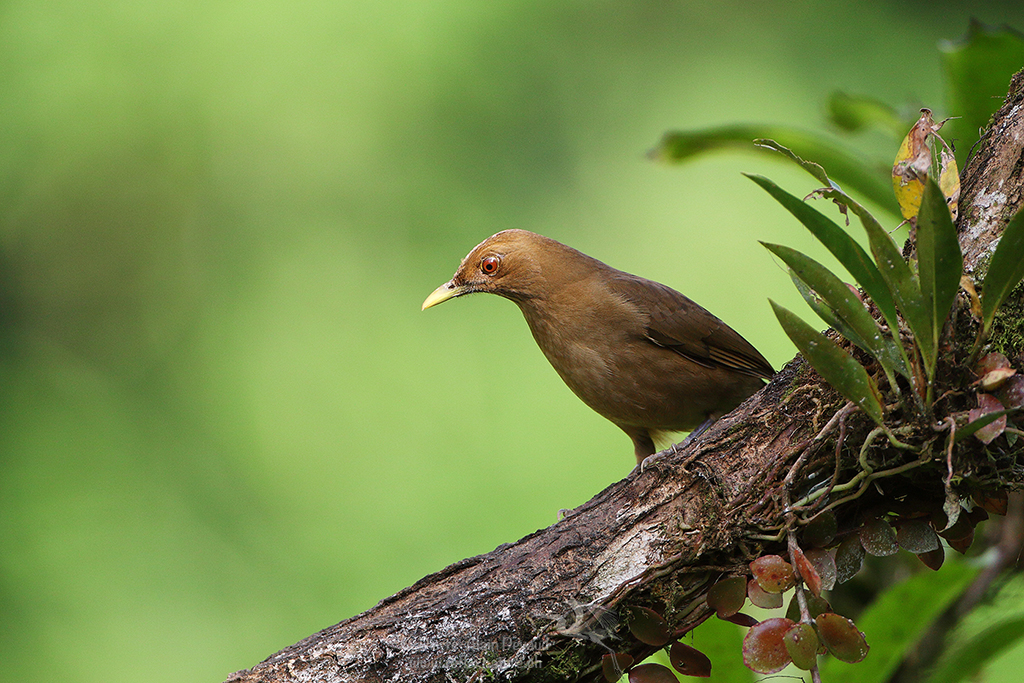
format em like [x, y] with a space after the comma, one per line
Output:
[884, 300]
[893, 355]
[814, 169]
[847, 167]
[818, 305]
[833, 291]
[836, 366]
[844, 304]
[940, 262]
[846, 250]
[982, 422]
[903, 284]
[1005, 269]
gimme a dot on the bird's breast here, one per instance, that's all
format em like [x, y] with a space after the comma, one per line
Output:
[594, 357]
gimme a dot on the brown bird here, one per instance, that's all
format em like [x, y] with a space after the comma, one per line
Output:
[639, 353]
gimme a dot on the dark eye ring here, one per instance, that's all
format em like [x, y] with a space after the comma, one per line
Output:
[489, 265]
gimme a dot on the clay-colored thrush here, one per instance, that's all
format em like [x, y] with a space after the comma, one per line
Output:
[638, 352]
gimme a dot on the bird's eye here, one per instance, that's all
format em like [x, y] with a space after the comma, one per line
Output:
[489, 265]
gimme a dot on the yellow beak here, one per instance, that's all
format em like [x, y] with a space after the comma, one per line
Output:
[442, 294]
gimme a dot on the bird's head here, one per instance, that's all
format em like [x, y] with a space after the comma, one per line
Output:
[514, 264]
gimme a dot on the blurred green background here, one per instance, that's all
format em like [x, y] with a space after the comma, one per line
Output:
[224, 422]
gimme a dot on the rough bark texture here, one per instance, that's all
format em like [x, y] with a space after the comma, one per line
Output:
[991, 192]
[549, 606]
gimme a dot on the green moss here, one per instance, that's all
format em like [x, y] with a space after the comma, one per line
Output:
[566, 664]
[980, 269]
[1008, 328]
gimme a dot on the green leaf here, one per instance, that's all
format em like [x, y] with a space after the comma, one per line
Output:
[824, 312]
[869, 178]
[992, 628]
[982, 422]
[811, 167]
[904, 285]
[939, 260]
[846, 250]
[1005, 270]
[978, 68]
[974, 654]
[891, 355]
[854, 113]
[846, 306]
[837, 367]
[889, 631]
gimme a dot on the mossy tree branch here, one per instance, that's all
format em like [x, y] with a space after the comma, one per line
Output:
[545, 607]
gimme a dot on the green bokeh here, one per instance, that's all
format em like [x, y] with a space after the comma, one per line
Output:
[224, 421]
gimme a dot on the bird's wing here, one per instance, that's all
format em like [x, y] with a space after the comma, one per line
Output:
[677, 323]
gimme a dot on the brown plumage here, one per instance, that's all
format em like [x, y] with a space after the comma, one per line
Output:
[639, 353]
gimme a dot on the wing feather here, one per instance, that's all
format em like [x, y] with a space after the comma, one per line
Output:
[678, 323]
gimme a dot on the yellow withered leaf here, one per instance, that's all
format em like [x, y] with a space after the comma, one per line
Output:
[921, 151]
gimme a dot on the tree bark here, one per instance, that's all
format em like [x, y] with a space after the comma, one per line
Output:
[548, 606]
